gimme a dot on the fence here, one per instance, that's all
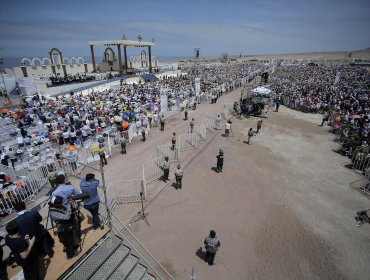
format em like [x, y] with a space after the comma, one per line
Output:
[24, 189]
[169, 114]
[188, 141]
[166, 150]
[152, 170]
[360, 161]
[210, 125]
[125, 191]
[200, 131]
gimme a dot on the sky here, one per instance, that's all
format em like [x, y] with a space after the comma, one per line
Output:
[32, 28]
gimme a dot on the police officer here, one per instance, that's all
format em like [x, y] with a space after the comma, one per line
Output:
[123, 142]
[220, 160]
[192, 125]
[178, 175]
[162, 121]
[173, 141]
[166, 169]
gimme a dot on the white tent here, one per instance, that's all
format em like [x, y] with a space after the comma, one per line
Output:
[262, 90]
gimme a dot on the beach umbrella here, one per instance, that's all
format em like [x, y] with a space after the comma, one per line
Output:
[71, 147]
[117, 118]
[125, 125]
[94, 148]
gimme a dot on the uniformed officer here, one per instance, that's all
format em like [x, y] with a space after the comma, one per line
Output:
[162, 121]
[166, 169]
[178, 175]
[123, 142]
[192, 125]
[173, 141]
[220, 160]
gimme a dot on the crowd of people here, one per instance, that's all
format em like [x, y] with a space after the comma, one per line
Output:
[340, 93]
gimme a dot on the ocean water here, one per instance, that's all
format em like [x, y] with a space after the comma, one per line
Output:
[16, 61]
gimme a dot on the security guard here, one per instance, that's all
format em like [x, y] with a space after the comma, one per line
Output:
[166, 169]
[162, 121]
[192, 125]
[173, 141]
[186, 114]
[123, 142]
[178, 175]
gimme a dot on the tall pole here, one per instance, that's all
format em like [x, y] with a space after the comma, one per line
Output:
[125, 54]
[119, 59]
[93, 57]
[150, 59]
[109, 217]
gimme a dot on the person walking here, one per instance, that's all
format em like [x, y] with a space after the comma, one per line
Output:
[250, 135]
[173, 141]
[178, 175]
[103, 159]
[186, 114]
[277, 105]
[192, 125]
[162, 121]
[220, 161]
[155, 119]
[259, 125]
[166, 169]
[90, 185]
[211, 244]
[123, 142]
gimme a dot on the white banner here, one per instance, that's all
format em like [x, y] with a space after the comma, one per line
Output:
[164, 101]
[337, 78]
[197, 86]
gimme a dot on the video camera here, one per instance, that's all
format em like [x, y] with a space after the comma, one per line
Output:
[80, 197]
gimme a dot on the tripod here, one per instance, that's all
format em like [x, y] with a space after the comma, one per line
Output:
[141, 214]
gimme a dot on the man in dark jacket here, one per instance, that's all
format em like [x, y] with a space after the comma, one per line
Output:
[90, 184]
[220, 161]
[29, 224]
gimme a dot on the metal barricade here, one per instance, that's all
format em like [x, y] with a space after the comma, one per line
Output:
[210, 125]
[188, 141]
[152, 170]
[360, 161]
[125, 191]
[169, 114]
[200, 131]
[166, 150]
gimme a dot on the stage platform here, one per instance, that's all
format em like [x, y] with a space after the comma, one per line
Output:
[55, 267]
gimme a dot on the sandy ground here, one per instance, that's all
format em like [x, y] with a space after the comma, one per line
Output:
[282, 207]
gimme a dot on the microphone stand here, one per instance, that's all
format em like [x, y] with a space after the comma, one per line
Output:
[141, 214]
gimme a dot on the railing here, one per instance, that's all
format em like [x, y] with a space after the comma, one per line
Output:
[24, 189]
[125, 191]
[152, 169]
[201, 131]
[188, 141]
[166, 150]
[165, 275]
[210, 125]
[169, 114]
[360, 161]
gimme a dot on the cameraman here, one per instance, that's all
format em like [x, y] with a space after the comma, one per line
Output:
[64, 190]
[65, 223]
[90, 185]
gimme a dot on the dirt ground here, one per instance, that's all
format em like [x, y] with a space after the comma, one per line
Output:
[282, 208]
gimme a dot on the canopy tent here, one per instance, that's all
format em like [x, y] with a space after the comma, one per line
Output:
[262, 90]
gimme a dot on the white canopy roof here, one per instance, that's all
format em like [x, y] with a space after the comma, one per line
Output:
[262, 90]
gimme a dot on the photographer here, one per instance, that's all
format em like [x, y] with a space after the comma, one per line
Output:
[64, 190]
[90, 185]
[67, 224]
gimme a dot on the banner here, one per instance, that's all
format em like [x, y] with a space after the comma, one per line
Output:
[337, 78]
[164, 101]
[197, 86]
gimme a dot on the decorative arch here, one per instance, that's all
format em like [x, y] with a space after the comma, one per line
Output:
[79, 60]
[24, 60]
[36, 59]
[109, 55]
[44, 61]
[55, 52]
[132, 58]
[137, 58]
[66, 59]
[143, 55]
[73, 60]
